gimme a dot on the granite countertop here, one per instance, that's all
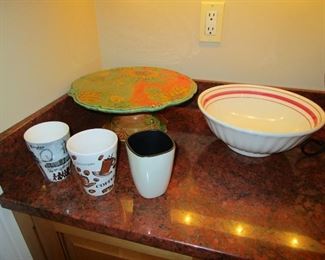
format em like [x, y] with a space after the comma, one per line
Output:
[217, 203]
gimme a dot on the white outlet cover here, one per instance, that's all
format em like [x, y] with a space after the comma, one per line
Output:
[205, 25]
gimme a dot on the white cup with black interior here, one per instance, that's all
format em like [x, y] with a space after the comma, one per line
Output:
[151, 157]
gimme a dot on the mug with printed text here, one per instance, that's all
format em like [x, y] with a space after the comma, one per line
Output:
[93, 153]
[47, 142]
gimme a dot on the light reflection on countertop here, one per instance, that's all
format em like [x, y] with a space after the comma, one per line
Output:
[246, 230]
[234, 227]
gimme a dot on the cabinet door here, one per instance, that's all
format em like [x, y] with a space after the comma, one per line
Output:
[66, 242]
[80, 248]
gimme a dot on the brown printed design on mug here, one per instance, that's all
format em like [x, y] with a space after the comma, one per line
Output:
[111, 182]
[107, 188]
[86, 182]
[107, 164]
[86, 172]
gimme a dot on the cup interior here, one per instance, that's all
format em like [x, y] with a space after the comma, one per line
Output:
[150, 143]
[91, 141]
[46, 132]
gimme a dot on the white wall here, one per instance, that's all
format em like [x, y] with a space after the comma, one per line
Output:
[275, 42]
[44, 46]
[12, 246]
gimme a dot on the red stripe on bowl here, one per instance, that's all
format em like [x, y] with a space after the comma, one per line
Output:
[258, 93]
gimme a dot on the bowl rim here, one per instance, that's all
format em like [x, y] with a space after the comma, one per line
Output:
[262, 133]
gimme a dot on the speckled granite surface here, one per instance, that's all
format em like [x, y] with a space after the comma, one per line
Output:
[217, 203]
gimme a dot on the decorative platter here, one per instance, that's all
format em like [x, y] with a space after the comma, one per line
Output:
[130, 90]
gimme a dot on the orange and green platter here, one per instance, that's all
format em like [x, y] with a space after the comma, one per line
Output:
[130, 90]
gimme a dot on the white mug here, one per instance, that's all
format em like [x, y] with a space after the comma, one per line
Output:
[47, 142]
[151, 156]
[94, 156]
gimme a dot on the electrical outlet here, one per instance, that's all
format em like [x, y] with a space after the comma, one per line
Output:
[211, 21]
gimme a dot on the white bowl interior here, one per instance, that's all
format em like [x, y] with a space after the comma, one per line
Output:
[261, 109]
[258, 115]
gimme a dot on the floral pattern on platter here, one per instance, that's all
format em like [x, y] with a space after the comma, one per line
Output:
[132, 89]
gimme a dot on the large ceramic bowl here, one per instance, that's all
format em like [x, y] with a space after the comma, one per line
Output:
[258, 120]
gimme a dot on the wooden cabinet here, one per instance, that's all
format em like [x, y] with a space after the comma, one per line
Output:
[51, 240]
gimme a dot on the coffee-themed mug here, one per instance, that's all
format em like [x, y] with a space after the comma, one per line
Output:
[94, 156]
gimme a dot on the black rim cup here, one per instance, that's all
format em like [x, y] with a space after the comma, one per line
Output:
[150, 143]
